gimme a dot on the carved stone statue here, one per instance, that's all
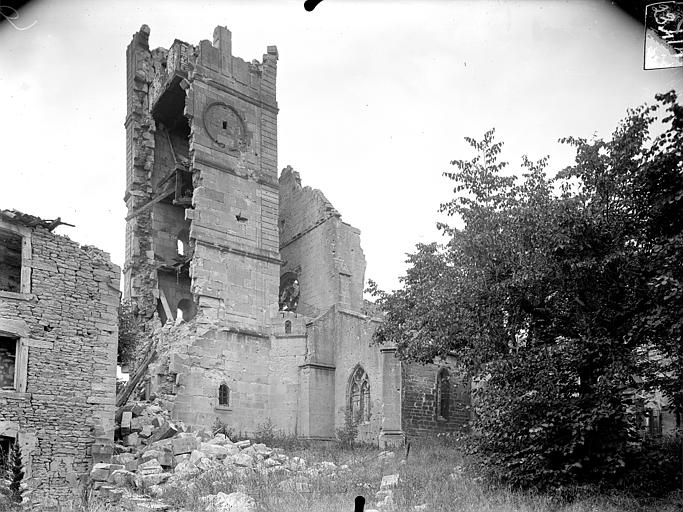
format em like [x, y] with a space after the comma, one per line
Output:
[289, 299]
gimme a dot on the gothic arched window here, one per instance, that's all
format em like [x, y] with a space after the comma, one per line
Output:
[443, 388]
[359, 396]
[223, 395]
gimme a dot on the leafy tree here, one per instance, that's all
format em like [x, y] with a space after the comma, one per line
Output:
[129, 330]
[12, 475]
[556, 292]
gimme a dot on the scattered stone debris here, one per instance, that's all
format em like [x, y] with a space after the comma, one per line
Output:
[155, 454]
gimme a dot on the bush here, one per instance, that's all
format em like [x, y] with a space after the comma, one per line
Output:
[653, 466]
[11, 478]
[220, 427]
[544, 421]
[265, 432]
[347, 434]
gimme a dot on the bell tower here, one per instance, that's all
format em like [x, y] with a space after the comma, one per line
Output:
[202, 185]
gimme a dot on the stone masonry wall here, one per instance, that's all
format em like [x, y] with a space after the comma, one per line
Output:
[68, 326]
[322, 249]
[419, 411]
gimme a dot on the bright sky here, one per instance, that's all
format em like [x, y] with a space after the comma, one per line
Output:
[375, 98]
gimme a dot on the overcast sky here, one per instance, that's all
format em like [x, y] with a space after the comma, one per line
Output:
[375, 98]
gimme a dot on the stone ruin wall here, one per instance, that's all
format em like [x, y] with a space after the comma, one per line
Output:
[419, 397]
[65, 318]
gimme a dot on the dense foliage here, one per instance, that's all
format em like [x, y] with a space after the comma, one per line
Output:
[128, 332]
[11, 478]
[555, 293]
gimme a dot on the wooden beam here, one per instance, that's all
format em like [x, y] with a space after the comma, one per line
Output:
[167, 308]
[154, 201]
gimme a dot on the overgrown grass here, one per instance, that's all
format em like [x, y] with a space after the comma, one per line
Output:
[435, 474]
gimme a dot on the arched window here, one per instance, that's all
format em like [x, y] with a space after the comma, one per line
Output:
[359, 396]
[186, 310]
[288, 327]
[443, 392]
[183, 242]
[224, 395]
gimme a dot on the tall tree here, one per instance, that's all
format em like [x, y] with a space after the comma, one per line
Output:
[556, 291]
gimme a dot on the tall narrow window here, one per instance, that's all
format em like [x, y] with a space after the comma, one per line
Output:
[443, 388]
[8, 359]
[288, 327]
[359, 396]
[224, 395]
[10, 261]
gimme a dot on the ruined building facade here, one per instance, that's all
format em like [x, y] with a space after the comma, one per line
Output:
[261, 275]
[58, 338]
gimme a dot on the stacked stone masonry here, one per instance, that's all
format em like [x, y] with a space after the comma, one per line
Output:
[60, 403]
[210, 222]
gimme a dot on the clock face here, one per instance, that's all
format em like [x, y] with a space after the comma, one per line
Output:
[225, 127]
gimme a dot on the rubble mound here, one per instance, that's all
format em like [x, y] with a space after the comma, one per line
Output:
[156, 454]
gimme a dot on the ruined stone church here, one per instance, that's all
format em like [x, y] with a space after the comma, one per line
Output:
[260, 276]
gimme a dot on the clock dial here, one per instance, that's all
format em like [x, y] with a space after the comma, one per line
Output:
[225, 127]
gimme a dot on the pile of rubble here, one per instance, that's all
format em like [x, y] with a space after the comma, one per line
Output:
[156, 454]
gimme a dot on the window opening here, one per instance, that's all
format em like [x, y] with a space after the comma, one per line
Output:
[443, 386]
[10, 261]
[8, 360]
[223, 395]
[359, 396]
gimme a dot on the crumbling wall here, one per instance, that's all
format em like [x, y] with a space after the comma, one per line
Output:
[62, 408]
[139, 269]
[321, 249]
[419, 399]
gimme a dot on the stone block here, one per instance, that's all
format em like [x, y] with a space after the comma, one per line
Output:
[182, 445]
[389, 481]
[182, 457]
[122, 478]
[147, 480]
[214, 451]
[131, 440]
[242, 459]
[123, 458]
[243, 444]
[126, 418]
[166, 458]
[165, 431]
[132, 465]
[196, 455]
[149, 455]
[221, 502]
[137, 409]
[147, 430]
[186, 469]
[100, 472]
[150, 467]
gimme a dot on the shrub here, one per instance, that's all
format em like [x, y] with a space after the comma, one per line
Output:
[653, 466]
[265, 432]
[220, 427]
[347, 434]
[11, 477]
[544, 421]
